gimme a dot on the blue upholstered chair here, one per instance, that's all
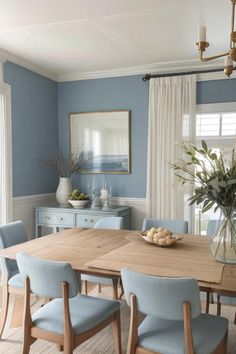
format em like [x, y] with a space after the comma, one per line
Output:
[10, 235]
[212, 227]
[114, 223]
[175, 226]
[70, 318]
[173, 323]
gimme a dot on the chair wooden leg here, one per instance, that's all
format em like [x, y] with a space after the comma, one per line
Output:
[207, 301]
[133, 325]
[5, 303]
[235, 318]
[218, 306]
[122, 289]
[188, 337]
[68, 350]
[86, 287]
[99, 288]
[117, 333]
[27, 320]
[115, 288]
[60, 347]
[26, 345]
[68, 331]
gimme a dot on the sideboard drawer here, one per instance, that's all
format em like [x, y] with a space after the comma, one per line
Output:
[86, 220]
[58, 219]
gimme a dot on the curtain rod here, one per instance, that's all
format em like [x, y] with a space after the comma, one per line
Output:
[151, 76]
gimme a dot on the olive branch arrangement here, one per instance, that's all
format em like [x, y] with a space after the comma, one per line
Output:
[64, 165]
[213, 178]
[212, 175]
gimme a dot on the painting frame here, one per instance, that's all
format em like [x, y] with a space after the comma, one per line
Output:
[103, 140]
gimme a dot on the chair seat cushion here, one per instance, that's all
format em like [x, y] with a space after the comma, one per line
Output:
[167, 337]
[95, 279]
[16, 281]
[228, 300]
[86, 312]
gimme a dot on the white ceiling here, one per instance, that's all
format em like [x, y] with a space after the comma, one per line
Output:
[78, 38]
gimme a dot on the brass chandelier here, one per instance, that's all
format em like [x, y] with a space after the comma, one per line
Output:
[230, 56]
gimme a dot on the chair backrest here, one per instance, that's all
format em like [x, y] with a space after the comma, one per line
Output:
[178, 226]
[160, 296]
[10, 235]
[113, 222]
[46, 276]
[213, 226]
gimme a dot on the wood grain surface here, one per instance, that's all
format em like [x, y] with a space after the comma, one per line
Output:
[83, 248]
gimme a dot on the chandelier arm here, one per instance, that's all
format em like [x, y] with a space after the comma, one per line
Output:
[233, 11]
[211, 58]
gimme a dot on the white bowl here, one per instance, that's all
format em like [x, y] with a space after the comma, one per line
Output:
[78, 203]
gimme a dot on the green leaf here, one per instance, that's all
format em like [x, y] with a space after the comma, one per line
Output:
[213, 156]
[204, 145]
[231, 181]
[201, 151]
[206, 201]
[207, 207]
[222, 183]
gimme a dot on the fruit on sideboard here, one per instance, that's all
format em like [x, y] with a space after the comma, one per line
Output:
[77, 195]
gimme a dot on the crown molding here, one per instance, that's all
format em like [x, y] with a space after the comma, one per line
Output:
[154, 68]
[7, 56]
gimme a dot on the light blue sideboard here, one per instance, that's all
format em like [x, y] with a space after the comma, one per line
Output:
[57, 217]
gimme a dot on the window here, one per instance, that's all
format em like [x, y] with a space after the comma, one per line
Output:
[216, 124]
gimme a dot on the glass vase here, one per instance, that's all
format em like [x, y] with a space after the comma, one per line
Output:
[223, 243]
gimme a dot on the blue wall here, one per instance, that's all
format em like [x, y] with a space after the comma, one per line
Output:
[216, 91]
[129, 93]
[34, 129]
[40, 109]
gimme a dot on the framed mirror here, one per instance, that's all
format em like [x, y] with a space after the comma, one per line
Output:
[103, 139]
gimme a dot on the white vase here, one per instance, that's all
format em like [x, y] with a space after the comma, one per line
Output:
[63, 189]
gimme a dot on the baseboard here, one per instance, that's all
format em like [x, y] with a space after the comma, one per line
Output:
[23, 209]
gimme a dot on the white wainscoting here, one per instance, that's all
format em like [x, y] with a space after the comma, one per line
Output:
[23, 209]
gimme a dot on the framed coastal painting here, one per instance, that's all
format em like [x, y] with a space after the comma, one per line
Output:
[102, 140]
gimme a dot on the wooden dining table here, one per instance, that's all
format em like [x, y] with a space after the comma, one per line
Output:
[106, 252]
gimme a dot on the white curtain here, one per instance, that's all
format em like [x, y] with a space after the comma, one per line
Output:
[172, 103]
[5, 155]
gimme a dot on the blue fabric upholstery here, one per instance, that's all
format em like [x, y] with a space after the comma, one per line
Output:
[160, 296]
[212, 227]
[167, 337]
[10, 235]
[16, 281]
[86, 312]
[175, 226]
[95, 279]
[228, 300]
[162, 300]
[46, 277]
[114, 223]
